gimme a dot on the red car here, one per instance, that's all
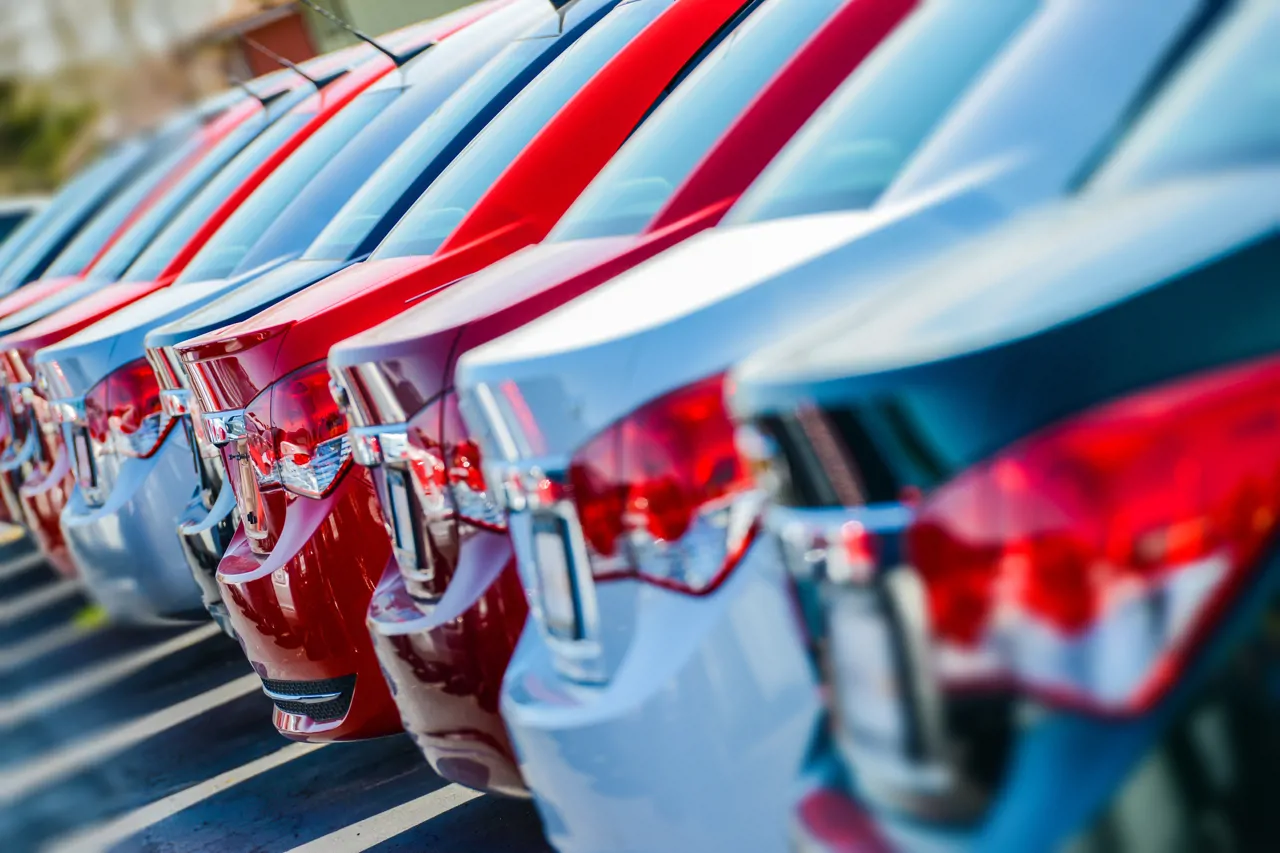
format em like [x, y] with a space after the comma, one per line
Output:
[298, 578]
[45, 479]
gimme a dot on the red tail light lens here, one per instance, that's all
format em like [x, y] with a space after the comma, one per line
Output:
[311, 440]
[1084, 562]
[296, 436]
[459, 455]
[444, 465]
[123, 412]
[656, 492]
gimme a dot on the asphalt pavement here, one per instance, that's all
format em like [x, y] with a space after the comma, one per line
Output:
[160, 739]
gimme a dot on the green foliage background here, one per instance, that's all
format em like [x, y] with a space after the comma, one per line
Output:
[38, 137]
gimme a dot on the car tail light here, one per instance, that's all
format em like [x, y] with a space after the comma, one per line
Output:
[1084, 563]
[444, 463]
[660, 494]
[123, 412]
[434, 492]
[311, 444]
[295, 435]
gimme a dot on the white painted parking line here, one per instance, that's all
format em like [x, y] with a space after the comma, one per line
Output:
[78, 685]
[18, 565]
[107, 835]
[20, 654]
[36, 600]
[374, 830]
[98, 747]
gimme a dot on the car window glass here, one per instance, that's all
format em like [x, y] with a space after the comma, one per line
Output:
[251, 220]
[1222, 110]
[169, 242]
[645, 173]
[386, 188]
[456, 191]
[39, 235]
[858, 141]
[136, 237]
[81, 251]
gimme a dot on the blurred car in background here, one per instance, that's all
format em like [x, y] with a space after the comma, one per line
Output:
[676, 175]
[126, 167]
[307, 514]
[114, 237]
[128, 500]
[44, 477]
[211, 518]
[92, 208]
[603, 425]
[1033, 495]
[107, 251]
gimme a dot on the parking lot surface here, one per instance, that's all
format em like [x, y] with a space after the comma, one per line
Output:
[160, 739]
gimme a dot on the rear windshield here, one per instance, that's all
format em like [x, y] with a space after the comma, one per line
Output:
[126, 249]
[38, 235]
[855, 145]
[396, 177]
[166, 246]
[252, 219]
[456, 191]
[1222, 110]
[84, 248]
[644, 175]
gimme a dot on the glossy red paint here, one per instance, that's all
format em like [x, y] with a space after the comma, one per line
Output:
[446, 673]
[463, 739]
[299, 622]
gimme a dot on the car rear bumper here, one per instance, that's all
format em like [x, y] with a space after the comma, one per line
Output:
[126, 549]
[695, 742]
[445, 663]
[299, 613]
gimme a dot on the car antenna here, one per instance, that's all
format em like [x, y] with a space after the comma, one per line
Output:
[398, 59]
[244, 87]
[280, 60]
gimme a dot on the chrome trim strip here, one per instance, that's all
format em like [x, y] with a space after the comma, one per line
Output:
[303, 699]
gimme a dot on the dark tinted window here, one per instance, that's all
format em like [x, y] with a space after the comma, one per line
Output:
[405, 169]
[169, 242]
[228, 246]
[456, 191]
[855, 145]
[126, 249]
[10, 220]
[656, 160]
[1223, 109]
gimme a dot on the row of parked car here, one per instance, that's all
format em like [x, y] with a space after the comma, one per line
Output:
[737, 424]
